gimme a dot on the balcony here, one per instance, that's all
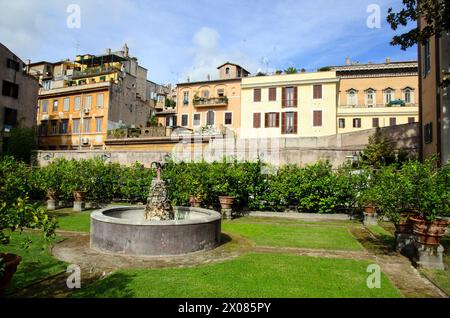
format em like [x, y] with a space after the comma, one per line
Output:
[94, 71]
[211, 102]
[379, 106]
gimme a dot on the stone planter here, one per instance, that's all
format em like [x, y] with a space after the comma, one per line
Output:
[194, 201]
[429, 233]
[369, 209]
[226, 202]
[404, 237]
[11, 263]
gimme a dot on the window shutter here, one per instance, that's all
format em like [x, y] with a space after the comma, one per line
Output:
[317, 118]
[283, 97]
[257, 120]
[283, 123]
[317, 91]
[295, 96]
[278, 119]
[266, 120]
[295, 123]
[272, 94]
[375, 122]
[257, 95]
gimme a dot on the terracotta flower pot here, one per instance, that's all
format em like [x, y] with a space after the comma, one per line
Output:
[405, 225]
[79, 196]
[429, 233]
[194, 201]
[369, 209]
[227, 201]
[11, 262]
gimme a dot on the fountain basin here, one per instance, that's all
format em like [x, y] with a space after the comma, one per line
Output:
[124, 230]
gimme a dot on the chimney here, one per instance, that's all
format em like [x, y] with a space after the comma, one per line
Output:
[188, 79]
[108, 52]
[208, 77]
[126, 51]
[388, 60]
[347, 60]
[27, 67]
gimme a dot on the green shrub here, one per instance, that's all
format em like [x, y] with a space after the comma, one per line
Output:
[15, 180]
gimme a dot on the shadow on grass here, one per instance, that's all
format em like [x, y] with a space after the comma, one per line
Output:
[116, 285]
[379, 244]
[225, 239]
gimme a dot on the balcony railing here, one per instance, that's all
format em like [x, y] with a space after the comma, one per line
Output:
[378, 106]
[93, 71]
[208, 102]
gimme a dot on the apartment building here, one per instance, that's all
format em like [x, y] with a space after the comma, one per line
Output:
[212, 104]
[377, 95]
[19, 96]
[80, 100]
[434, 77]
[289, 105]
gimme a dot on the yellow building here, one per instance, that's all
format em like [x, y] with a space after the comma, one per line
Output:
[80, 100]
[289, 105]
[213, 104]
[377, 95]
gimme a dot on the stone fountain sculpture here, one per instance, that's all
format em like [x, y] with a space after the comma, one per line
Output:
[158, 206]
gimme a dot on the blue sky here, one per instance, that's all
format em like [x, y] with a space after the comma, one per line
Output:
[174, 39]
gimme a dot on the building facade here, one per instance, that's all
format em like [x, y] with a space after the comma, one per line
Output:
[19, 97]
[81, 100]
[434, 77]
[377, 95]
[212, 105]
[289, 105]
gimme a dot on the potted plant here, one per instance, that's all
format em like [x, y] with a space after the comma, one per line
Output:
[429, 191]
[226, 196]
[15, 216]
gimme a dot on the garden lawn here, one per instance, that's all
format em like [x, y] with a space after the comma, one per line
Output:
[73, 221]
[37, 261]
[441, 277]
[312, 235]
[249, 276]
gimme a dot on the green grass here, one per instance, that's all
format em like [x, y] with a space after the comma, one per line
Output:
[73, 221]
[441, 277]
[294, 235]
[249, 276]
[37, 261]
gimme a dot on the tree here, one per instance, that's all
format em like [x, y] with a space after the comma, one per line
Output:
[435, 13]
[152, 121]
[22, 143]
[379, 151]
[291, 70]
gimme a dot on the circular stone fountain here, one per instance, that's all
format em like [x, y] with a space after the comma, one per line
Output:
[156, 230]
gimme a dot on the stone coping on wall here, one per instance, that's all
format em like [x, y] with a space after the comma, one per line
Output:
[303, 216]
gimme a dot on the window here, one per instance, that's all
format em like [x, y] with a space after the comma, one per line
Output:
[46, 85]
[272, 120]
[289, 97]
[392, 121]
[428, 133]
[317, 118]
[184, 120]
[411, 120]
[389, 96]
[342, 123]
[370, 98]
[87, 125]
[77, 103]
[426, 58]
[221, 92]
[289, 123]
[227, 71]
[53, 130]
[43, 128]
[317, 91]
[257, 120]
[257, 95]
[10, 89]
[75, 126]
[99, 124]
[44, 106]
[13, 65]
[228, 118]
[409, 97]
[66, 105]
[186, 98]
[197, 120]
[205, 94]
[64, 127]
[272, 94]
[171, 121]
[210, 118]
[10, 119]
[55, 105]
[99, 100]
[352, 98]
[88, 102]
[375, 122]
[356, 122]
